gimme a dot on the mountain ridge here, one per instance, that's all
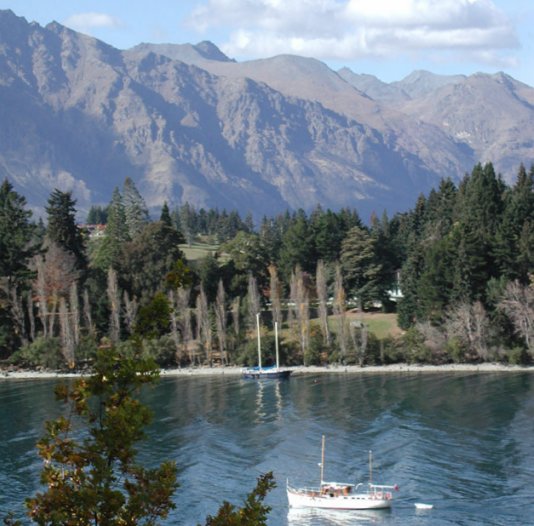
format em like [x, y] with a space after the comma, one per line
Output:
[261, 136]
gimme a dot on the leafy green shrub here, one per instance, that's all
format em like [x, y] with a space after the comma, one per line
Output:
[161, 350]
[43, 352]
[415, 350]
[456, 350]
[391, 350]
[518, 356]
[312, 355]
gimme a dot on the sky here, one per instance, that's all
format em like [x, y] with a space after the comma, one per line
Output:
[386, 38]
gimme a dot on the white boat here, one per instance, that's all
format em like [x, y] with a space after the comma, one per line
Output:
[341, 495]
[422, 506]
[271, 372]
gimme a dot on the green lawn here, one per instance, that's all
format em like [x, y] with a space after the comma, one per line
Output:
[197, 251]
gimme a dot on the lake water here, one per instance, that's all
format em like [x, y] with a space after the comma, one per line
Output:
[463, 442]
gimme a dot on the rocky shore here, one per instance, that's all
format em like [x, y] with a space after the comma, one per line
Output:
[299, 370]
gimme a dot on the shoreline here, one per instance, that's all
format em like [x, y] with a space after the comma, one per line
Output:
[300, 370]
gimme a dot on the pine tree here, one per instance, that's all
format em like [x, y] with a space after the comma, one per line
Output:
[513, 240]
[297, 246]
[62, 228]
[108, 252]
[16, 235]
[147, 260]
[134, 207]
[165, 216]
[361, 268]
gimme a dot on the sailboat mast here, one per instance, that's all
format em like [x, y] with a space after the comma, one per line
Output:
[276, 344]
[370, 467]
[259, 341]
[322, 461]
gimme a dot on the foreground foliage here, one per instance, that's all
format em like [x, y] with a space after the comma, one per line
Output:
[90, 472]
[253, 513]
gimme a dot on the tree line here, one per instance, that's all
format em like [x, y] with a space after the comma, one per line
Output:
[463, 259]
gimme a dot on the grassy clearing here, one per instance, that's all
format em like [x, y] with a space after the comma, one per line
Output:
[197, 251]
[380, 324]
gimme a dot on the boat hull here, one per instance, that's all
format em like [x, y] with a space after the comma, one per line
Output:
[357, 501]
[266, 374]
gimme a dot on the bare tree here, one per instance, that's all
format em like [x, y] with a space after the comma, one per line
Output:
[131, 306]
[322, 300]
[203, 324]
[518, 304]
[87, 313]
[174, 319]
[435, 338]
[236, 305]
[74, 317]
[358, 333]
[253, 302]
[220, 318]
[66, 332]
[276, 304]
[114, 306]
[56, 272]
[40, 290]
[183, 296]
[340, 311]
[31, 316]
[292, 315]
[469, 323]
[302, 309]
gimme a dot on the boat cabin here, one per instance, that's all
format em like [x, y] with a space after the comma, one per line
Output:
[336, 489]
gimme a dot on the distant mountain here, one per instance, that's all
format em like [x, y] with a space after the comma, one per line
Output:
[187, 123]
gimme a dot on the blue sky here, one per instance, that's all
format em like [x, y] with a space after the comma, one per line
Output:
[386, 38]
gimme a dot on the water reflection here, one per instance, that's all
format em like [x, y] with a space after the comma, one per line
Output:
[471, 435]
[268, 400]
[310, 517]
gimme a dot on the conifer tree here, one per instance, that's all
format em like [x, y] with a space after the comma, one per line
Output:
[134, 207]
[62, 228]
[297, 246]
[16, 249]
[165, 216]
[361, 268]
[108, 252]
[514, 237]
[16, 235]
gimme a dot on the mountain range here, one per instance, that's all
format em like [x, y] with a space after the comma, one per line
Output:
[189, 124]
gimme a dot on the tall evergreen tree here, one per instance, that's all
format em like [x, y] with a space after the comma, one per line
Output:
[297, 246]
[514, 236]
[165, 216]
[97, 215]
[62, 228]
[108, 252]
[17, 246]
[361, 268]
[16, 235]
[134, 207]
[149, 258]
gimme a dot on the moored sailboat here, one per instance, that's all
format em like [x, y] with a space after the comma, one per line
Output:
[272, 372]
[340, 495]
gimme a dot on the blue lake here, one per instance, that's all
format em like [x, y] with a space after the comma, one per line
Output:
[463, 442]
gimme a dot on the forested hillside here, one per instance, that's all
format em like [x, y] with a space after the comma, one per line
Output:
[463, 259]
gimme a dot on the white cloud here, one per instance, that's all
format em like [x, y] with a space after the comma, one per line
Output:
[85, 21]
[349, 29]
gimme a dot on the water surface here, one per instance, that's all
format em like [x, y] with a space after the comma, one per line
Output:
[460, 441]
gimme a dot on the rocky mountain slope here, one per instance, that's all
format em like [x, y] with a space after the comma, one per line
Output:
[187, 123]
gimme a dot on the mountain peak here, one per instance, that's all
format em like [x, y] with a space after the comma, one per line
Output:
[211, 52]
